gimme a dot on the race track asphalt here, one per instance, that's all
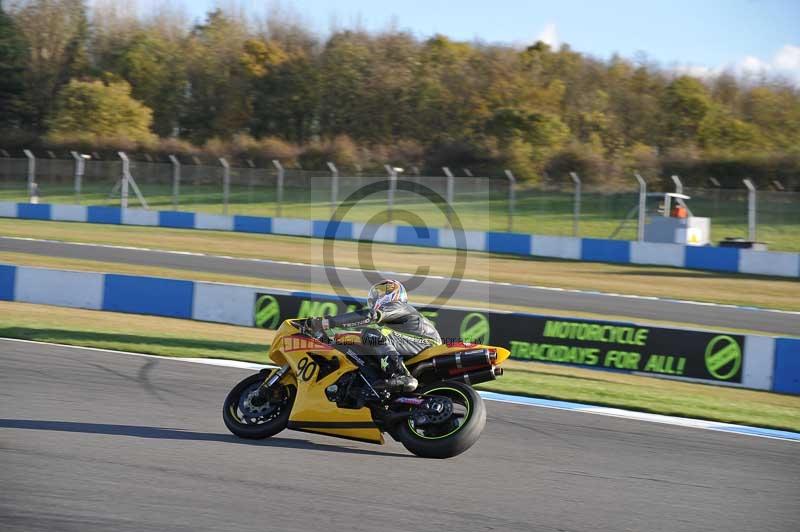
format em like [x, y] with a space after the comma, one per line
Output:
[97, 441]
[480, 292]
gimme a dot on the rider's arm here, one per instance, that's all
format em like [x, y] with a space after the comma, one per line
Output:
[350, 319]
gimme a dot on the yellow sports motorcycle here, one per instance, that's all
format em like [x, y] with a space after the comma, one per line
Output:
[330, 386]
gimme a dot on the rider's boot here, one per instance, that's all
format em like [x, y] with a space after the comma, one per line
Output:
[398, 377]
[402, 382]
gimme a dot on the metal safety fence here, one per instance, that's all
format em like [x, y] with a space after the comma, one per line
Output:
[565, 207]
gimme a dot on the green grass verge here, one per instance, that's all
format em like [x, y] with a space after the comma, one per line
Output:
[126, 332]
[648, 394]
[182, 338]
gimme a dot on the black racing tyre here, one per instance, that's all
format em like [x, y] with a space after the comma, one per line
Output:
[453, 436]
[248, 421]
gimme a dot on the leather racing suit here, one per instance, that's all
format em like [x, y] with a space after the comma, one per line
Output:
[395, 331]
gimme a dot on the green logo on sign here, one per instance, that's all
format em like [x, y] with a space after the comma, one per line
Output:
[723, 357]
[475, 328]
[268, 312]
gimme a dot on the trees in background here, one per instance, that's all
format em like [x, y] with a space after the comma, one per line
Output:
[93, 111]
[57, 34]
[13, 60]
[370, 97]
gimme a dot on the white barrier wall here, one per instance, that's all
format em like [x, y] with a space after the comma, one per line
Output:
[70, 213]
[758, 362]
[657, 254]
[59, 288]
[213, 221]
[769, 263]
[223, 303]
[558, 247]
[139, 217]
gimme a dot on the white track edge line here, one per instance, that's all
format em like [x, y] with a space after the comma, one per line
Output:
[501, 398]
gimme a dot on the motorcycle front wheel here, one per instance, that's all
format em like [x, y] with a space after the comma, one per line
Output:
[453, 435]
[247, 420]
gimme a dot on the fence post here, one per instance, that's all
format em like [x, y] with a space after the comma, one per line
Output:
[678, 201]
[31, 175]
[176, 181]
[226, 184]
[415, 173]
[642, 206]
[751, 210]
[717, 186]
[576, 215]
[392, 187]
[251, 179]
[450, 185]
[278, 187]
[678, 184]
[334, 186]
[126, 170]
[512, 198]
[79, 168]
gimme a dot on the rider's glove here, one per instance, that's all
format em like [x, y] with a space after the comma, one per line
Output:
[317, 325]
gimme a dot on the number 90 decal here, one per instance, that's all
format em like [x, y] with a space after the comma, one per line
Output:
[306, 368]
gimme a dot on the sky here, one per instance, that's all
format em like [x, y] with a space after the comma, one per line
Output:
[698, 36]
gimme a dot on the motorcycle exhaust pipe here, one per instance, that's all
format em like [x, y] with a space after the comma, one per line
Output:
[477, 377]
[462, 359]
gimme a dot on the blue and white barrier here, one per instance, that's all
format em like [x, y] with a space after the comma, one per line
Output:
[733, 260]
[769, 363]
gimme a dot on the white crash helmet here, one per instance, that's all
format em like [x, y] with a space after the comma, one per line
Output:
[386, 291]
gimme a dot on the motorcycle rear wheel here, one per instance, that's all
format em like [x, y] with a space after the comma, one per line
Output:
[247, 421]
[453, 436]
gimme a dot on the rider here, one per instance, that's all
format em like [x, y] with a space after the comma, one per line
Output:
[392, 327]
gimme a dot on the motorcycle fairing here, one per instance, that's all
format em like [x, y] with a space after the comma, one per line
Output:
[316, 366]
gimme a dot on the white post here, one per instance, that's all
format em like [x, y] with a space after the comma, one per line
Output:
[450, 185]
[126, 171]
[334, 186]
[751, 210]
[226, 183]
[512, 198]
[176, 181]
[79, 168]
[577, 203]
[392, 188]
[678, 201]
[717, 186]
[642, 206]
[467, 172]
[678, 184]
[278, 187]
[251, 178]
[31, 176]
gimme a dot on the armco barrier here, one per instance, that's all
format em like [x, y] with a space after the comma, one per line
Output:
[774, 263]
[751, 361]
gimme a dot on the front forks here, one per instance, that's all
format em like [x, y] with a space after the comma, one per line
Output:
[262, 395]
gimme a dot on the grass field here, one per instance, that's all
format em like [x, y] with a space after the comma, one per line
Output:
[477, 206]
[781, 293]
[182, 338]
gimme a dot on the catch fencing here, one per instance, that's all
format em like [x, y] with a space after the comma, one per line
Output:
[560, 207]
